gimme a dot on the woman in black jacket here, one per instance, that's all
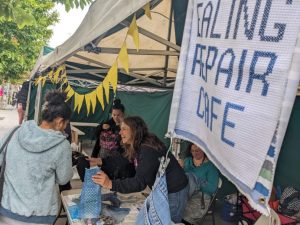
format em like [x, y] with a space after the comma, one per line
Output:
[145, 150]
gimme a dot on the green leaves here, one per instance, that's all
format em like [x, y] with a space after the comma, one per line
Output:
[70, 4]
[22, 18]
[11, 10]
[20, 44]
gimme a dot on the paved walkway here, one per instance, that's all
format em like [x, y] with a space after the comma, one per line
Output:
[8, 120]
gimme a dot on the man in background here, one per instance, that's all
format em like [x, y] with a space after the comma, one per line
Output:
[22, 100]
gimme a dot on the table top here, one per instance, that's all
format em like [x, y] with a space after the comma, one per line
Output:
[132, 201]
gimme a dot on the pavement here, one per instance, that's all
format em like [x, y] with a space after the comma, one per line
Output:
[8, 120]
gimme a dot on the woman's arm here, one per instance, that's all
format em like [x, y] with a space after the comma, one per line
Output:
[212, 180]
[64, 171]
[146, 170]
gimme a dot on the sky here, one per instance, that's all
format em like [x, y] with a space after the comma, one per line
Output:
[67, 25]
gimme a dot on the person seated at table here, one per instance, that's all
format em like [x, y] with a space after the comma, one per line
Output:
[203, 182]
[145, 150]
[107, 151]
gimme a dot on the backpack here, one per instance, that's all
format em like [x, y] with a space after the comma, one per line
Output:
[289, 203]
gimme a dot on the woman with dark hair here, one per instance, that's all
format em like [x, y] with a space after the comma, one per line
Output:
[37, 158]
[107, 150]
[145, 150]
[203, 182]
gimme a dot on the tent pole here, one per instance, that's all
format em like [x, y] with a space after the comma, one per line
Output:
[38, 102]
[168, 48]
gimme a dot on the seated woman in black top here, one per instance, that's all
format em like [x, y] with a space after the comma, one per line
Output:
[107, 151]
[145, 150]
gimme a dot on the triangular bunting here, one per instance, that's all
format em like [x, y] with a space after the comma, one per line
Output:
[112, 76]
[55, 76]
[43, 80]
[67, 88]
[50, 75]
[147, 10]
[106, 88]
[93, 96]
[70, 93]
[87, 98]
[37, 81]
[133, 32]
[123, 57]
[99, 93]
[78, 102]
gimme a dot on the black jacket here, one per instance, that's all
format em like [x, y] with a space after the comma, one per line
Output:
[148, 163]
[22, 94]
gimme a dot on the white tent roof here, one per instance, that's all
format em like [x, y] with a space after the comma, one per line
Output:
[155, 63]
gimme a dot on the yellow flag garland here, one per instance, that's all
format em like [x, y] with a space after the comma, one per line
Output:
[133, 32]
[123, 57]
[147, 10]
[78, 101]
[112, 76]
[99, 93]
[111, 79]
[87, 98]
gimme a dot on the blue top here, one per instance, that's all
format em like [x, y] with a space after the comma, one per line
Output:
[36, 160]
[205, 172]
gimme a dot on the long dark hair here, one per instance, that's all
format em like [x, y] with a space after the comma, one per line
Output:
[141, 137]
[55, 106]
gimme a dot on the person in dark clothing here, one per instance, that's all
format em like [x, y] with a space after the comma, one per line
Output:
[145, 150]
[107, 151]
[68, 135]
[22, 100]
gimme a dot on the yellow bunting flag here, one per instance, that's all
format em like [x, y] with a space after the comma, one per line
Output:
[123, 57]
[78, 101]
[37, 81]
[99, 93]
[112, 76]
[67, 88]
[106, 88]
[43, 80]
[50, 75]
[55, 76]
[64, 80]
[87, 98]
[133, 31]
[60, 71]
[70, 93]
[93, 100]
[147, 10]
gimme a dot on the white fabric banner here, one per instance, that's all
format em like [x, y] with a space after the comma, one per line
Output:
[236, 83]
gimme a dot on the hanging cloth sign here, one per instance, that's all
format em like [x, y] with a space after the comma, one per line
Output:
[236, 83]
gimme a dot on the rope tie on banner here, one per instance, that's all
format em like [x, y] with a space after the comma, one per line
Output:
[165, 160]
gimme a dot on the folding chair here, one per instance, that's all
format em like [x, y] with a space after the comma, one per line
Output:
[212, 205]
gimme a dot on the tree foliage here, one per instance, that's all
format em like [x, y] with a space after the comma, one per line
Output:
[21, 47]
[12, 10]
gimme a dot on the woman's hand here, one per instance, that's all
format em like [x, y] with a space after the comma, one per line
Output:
[102, 179]
[95, 161]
